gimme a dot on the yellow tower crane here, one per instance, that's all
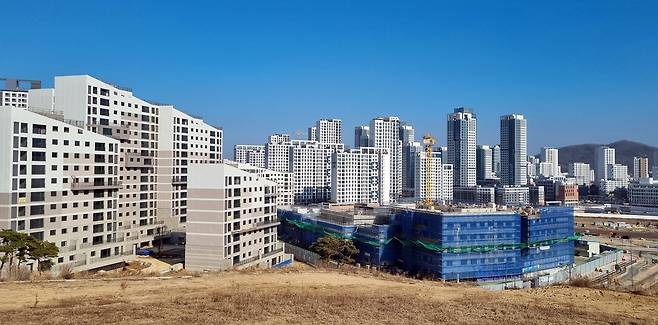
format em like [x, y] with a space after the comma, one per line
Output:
[428, 141]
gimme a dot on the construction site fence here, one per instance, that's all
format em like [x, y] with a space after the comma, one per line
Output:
[302, 255]
[563, 275]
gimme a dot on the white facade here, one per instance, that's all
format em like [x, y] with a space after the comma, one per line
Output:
[546, 169]
[385, 133]
[550, 155]
[360, 176]
[461, 137]
[250, 154]
[603, 156]
[407, 134]
[644, 193]
[232, 220]
[441, 178]
[284, 181]
[312, 133]
[581, 172]
[329, 131]
[14, 98]
[278, 138]
[513, 149]
[277, 153]
[513, 195]
[310, 162]
[59, 183]
[115, 112]
[182, 140]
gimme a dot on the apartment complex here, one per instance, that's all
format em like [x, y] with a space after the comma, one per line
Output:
[550, 156]
[603, 156]
[60, 182]
[360, 176]
[441, 187]
[385, 133]
[581, 172]
[513, 149]
[232, 220]
[310, 162]
[250, 154]
[329, 131]
[284, 181]
[640, 167]
[461, 137]
[182, 140]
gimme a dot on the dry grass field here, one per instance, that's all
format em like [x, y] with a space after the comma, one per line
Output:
[311, 296]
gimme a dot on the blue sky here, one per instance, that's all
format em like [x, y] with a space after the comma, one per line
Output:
[581, 71]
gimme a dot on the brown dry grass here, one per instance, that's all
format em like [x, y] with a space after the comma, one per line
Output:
[313, 296]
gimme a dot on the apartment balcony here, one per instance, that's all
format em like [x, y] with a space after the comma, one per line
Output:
[246, 261]
[273, 252]
[178, 180]
[131, 238]
[258, 226]
[95, 185]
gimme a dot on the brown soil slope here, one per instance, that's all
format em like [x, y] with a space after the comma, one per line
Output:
[284, 297]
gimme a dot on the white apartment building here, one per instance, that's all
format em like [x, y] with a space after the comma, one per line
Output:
[513, 149]
[250, 154]
[407, 134]
[60, 182]
[277, 153]
[14, 98]
[484, 162]
[360, 176]
[550, 155]
[581, 172]
[115, 112]
[284, 181]
[640, 167]
[441, 176]
[461, 137]
[603, 156]
[312, 133]
[644, 192]
[278, 138]
[232, 220]
[182, 140]
[329, 131]
[310, 162]
[546, 169]
[385, 133]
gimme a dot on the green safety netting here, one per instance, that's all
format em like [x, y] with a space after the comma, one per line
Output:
[427, 245]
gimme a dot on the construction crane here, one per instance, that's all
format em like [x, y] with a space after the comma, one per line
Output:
[428, 141]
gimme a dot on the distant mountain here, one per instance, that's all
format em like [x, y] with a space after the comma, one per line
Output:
[625, 151]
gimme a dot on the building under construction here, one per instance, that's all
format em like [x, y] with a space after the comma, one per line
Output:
[449, 243]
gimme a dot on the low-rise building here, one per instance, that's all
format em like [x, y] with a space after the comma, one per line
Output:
[512, 195]
[480, 195]
[643, 193]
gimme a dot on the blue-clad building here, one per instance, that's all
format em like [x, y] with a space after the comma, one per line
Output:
[455, 244]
